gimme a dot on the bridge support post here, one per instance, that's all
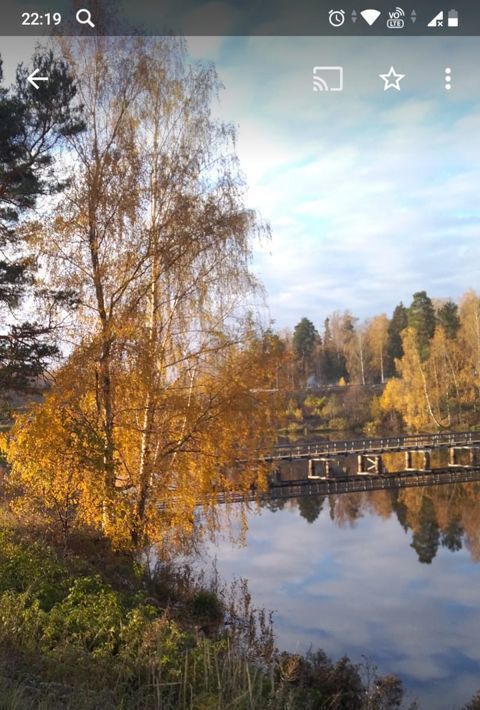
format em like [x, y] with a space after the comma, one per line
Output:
[324, 466]
[426, 461]
[369, 463]
[276, 475]
[473, 456]
[453, 456]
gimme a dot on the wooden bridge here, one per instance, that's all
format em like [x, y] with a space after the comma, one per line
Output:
[322, 454]
[348, 484]
[370, 476]
[353, 484]
[409, 442]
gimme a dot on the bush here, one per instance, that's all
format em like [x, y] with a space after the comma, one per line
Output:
[315, 404]
[85, 645]
[207, 607]
[31, 567]
[294, 411]
[89, 618]
[338, 424]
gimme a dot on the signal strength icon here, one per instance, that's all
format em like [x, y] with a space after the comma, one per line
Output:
[370, 16]
[437, 20]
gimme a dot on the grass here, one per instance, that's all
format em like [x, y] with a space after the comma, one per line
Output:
[72, 638]
[95, 631]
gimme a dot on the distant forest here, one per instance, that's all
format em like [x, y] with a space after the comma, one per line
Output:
[425, 359]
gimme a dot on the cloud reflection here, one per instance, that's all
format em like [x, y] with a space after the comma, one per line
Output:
[361, 590]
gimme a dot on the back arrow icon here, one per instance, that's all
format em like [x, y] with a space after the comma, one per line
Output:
[33, 78]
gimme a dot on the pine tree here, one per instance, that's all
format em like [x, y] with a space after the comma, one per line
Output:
[327, 334]
[397, 324]
[421, 318]
[426, 538]
[452, 537]
[332, 361]
[32, 124]
[449, 319]
[310, 507]
[305, 338]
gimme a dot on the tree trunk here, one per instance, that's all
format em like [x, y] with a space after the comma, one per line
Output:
[362, 364]
[145, 469]
[105, 380]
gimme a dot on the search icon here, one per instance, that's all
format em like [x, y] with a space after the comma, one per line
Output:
[84, 17]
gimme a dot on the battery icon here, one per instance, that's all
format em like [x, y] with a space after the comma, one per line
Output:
[452, 18]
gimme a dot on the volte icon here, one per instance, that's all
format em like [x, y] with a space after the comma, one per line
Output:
[370, 16]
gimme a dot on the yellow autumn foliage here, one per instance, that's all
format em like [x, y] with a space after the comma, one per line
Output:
[53, 454]
[438, 392]
[201, 431]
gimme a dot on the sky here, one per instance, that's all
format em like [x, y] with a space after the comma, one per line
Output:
[371, 195]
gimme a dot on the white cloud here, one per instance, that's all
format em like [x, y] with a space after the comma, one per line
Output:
[371, 196]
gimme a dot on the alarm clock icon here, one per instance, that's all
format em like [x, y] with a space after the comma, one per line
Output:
[336, 17]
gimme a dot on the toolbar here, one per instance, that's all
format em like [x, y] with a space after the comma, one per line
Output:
[249, 17]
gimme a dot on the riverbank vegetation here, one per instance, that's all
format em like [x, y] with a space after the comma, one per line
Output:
[98, 631]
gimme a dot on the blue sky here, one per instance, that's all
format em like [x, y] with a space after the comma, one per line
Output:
[371, 195]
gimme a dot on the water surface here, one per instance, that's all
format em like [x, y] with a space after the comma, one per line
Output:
[393, 575]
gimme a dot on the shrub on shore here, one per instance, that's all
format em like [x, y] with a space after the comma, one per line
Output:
[83, 634]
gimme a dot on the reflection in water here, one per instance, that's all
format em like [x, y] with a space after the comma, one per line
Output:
[426, 537]
[390, 574]
[310, 507]
[444, 516]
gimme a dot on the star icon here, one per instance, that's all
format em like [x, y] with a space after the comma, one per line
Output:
[392, 79]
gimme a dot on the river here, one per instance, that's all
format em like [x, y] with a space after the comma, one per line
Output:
[391, 575]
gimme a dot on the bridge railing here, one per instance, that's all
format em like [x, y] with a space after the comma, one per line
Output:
[355, 484]
[393, 443]
[351, 484]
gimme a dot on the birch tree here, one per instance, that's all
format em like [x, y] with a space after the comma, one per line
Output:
[154, 237]
[377, 336]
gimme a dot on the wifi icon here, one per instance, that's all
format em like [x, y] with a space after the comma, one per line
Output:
[370, 16]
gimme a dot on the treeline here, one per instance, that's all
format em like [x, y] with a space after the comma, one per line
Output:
[348, 350]
[426, 354]
[438, 374]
